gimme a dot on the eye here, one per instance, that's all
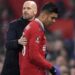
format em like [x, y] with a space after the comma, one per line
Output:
[28, 8]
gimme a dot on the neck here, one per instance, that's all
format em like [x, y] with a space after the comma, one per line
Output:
[41, 19]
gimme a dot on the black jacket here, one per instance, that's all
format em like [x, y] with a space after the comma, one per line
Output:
[11, 64]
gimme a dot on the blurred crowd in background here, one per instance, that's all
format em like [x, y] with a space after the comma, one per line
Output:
[60, 36]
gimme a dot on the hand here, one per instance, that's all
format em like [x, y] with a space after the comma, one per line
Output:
[53, 71]
[22, 41]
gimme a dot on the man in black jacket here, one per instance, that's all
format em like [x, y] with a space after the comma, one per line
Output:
[15, 40]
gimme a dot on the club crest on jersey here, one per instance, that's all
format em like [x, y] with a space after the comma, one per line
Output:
[37, 40]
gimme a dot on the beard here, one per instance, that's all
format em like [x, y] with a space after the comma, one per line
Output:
[27, 16]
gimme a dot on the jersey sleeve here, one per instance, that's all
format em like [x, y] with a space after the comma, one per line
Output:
[34, 54]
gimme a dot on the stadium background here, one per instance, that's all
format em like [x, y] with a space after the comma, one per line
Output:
[61, 35]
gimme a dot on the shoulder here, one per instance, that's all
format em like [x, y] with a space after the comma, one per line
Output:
[14, 23]
[34, 25]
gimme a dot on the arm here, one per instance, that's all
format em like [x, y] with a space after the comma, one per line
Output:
[36, 57]
[12, 38]
[34, 54]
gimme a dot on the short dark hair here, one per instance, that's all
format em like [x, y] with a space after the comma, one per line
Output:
[50, 7]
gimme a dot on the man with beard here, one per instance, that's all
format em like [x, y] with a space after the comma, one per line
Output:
[15, 40]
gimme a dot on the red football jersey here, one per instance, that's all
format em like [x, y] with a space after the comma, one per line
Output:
[32, 58]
